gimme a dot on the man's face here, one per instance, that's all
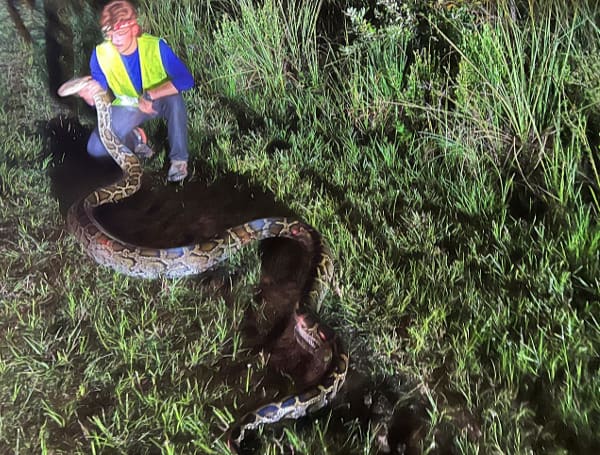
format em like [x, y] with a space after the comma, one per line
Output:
[123, 36]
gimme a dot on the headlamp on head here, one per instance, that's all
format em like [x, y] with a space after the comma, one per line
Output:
[121, 25]
[117, 15]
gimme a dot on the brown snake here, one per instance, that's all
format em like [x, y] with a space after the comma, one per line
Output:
[146, 262]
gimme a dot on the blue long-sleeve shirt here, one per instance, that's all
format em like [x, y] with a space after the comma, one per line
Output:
[176, 70]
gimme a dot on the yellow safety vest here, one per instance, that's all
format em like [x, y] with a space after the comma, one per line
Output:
[152, 69]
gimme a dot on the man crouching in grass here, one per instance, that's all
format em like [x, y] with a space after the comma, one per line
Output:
[146, 78]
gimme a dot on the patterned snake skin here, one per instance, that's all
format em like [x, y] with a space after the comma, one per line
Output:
[145, 262]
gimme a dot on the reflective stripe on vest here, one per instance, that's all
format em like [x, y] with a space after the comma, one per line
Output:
[152, 69]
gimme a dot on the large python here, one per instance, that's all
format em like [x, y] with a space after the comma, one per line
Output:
[146, 262]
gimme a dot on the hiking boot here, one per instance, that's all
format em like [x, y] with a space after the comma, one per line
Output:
[142, 150]
[178, 171]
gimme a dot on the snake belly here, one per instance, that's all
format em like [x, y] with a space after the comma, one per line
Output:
[145, 262]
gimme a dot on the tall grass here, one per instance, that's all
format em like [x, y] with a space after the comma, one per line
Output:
[264, 51]
[372, 81]
[585, 82]
[511, 84]
[454, 176]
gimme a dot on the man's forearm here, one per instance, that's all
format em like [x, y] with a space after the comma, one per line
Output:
[89, 90]
[162, 90]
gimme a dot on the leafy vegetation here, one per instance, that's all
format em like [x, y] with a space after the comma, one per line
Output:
[448, 152]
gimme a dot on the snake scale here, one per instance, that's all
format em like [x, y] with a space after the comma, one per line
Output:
[146, 262]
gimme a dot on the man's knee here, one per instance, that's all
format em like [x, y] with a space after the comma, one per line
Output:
[173, 106]
[95, 147]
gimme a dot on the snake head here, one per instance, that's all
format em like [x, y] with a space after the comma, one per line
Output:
[310, 334]
[73, 86]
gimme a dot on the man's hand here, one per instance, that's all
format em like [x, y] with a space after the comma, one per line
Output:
[145, 106]
[89, 90]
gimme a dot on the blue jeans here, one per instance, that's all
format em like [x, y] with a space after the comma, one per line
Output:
[126, 118]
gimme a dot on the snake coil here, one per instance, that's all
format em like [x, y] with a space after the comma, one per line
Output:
[145, 262]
